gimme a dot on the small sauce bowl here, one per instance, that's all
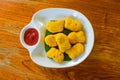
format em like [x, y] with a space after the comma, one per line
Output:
[30, 37]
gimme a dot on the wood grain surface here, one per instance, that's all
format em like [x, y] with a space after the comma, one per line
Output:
[103, 62]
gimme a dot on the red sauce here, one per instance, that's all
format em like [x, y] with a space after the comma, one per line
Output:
[31, 36]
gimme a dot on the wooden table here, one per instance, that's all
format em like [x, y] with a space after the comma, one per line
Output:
[103, 62]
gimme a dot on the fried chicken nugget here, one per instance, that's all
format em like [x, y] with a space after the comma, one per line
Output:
[56, 55]
[75, 51]
[56, 26]
[50, 40]
[62, 41]
[75, 37]
[73, 25]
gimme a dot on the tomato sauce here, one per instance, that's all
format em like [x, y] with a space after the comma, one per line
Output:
[31, 36]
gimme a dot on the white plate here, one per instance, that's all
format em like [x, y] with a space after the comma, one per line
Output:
[39, 20]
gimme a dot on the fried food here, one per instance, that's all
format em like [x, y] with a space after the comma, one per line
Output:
[56, 26]
[64, 36]
[50, 40]
[75, 37]
[62, 41]
[56, 55]
[73, 25]
[75, 51]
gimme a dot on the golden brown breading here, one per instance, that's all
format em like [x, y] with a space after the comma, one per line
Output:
[56, 26]
[56, 55]
[62, 41]
[75, 37]
[73, 25]
[50, 40]
[81, 37]
[75, 51]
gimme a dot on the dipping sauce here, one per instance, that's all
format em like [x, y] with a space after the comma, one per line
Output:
[31, 36]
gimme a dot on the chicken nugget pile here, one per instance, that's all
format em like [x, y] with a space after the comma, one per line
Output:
[60, 43]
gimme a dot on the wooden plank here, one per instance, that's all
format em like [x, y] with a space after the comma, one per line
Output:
[103, 62]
